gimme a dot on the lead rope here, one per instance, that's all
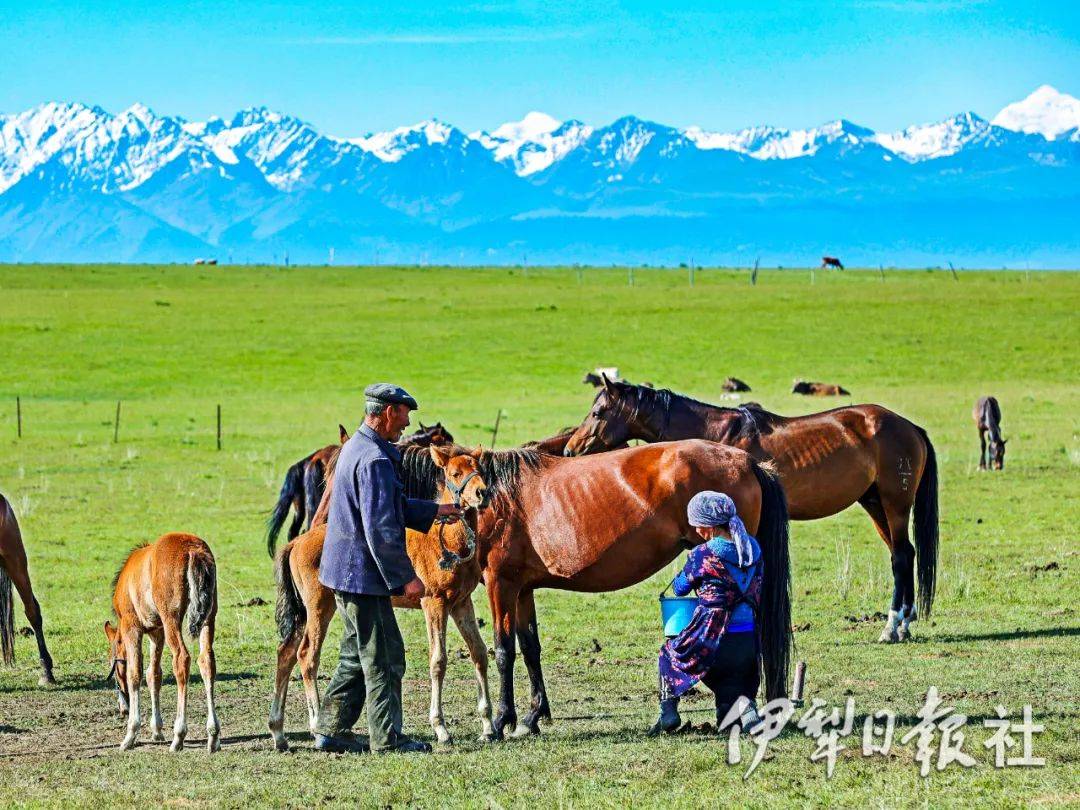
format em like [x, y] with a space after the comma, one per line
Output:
[449, 560]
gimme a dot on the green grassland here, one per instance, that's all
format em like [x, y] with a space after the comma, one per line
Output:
[286, 353]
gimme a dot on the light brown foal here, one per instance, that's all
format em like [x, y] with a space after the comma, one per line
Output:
[14, 571]
[158, 587]
[445, 560]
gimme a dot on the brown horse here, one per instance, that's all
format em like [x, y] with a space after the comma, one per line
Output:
[444, 559]
[13, 570]
[305, 480]
[828, 461]
[607, 522]
[832, 261]
[733, 385]
[987, 415]
[156, 589]
[819, 389]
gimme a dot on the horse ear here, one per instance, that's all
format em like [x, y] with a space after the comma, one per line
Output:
[608, 385]
[110, 633]
[478, 453]
[421, 424]
[343, 433]
[439, 454]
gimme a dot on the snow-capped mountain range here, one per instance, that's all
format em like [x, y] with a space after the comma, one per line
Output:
[78, 183]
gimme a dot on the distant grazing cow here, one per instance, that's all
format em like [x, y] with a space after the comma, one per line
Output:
[816, 389]
[831, 261]
[734, 384]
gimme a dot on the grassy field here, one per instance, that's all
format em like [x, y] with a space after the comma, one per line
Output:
[286, 353]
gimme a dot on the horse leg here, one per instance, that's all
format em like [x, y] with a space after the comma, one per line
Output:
[465, 619]
[528, 635]
[435, 614]
[286, 661]
[503, 597]
[133, 653]
[311, 643]
[899, 512]
[871, 502]
[208, 671]
[20, 578]
[181, 667]
[153, 684]
[982, 449]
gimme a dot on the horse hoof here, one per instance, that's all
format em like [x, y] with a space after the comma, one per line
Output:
[127, 744]
[177, 746]
[442, 736]
[903, 634]
[213, 745]
[525, 730]
[281, 745]
[487, 738]
[888, 636]
[158, 736]
[47, 680]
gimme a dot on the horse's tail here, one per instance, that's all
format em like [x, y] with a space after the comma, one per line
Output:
[926, 527]
[202, 590]
[292, 492]
[314, 486]
[775, 612]
[7, 619]
[290, 613]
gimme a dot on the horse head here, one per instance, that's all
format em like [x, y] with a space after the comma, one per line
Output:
[613, 420]
[117, 666]
[464, 483]
[997, 454]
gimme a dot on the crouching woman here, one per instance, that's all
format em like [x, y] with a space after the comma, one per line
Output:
[720, 646]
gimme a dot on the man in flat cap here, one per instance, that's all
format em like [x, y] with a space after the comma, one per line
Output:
[365, 563]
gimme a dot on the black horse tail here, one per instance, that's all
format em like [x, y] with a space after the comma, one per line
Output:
[292, 492]
[290, 613]
[314, 487]
[775, 610]
[202, 590]
[926, 528]
[7, 619]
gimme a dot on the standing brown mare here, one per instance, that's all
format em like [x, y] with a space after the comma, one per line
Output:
[13, 570]
[157, 587]
[861, 454]
[305, 481]
[987, 416]
[608, 522]
[444, 559]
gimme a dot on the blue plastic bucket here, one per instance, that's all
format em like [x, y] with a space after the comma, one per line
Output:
[676, 612]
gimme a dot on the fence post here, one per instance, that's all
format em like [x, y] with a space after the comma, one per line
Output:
[691, 272]
[881, 269]
[219, 426]
[753, 275]
[18, 414]
[629, 276]
[495, 431]
[953, 269]
[116, 424]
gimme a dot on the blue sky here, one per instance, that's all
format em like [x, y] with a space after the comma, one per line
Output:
[351, 68]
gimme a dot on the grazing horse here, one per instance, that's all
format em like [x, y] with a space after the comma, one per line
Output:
[444, 559]
[13, 570]
[305, 481]
[828, 461]
[608, 522]
[831, 261]
[987, 415]
[157, 589]
[817, 389]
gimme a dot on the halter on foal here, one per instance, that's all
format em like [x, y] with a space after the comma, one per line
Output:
[444, 559]
[157, 587]
[14, 571]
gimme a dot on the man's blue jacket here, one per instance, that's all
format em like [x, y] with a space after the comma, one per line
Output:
[364, 550]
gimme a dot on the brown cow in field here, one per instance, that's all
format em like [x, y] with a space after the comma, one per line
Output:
[734, 384]
[817, 389]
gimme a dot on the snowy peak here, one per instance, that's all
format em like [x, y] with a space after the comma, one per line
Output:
[533, 143]
[1045, 112]
[929, 141]
[392, 146]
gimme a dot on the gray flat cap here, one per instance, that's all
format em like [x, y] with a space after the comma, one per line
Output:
[390, 395]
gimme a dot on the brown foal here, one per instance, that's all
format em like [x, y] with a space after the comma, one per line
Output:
[156, 589]
[445, 560]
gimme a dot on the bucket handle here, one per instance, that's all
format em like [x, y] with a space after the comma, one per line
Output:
[664, 592]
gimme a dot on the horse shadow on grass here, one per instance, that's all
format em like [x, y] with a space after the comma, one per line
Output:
[83, 682]
[1009, 635]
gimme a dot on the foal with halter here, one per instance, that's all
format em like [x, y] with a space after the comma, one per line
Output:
[156, 589]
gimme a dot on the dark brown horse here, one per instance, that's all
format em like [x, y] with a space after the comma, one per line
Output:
[608, 522]
[831, 261]
[987, 415]
[828, 461]
[305, 481]
[734, 384]
[819, 389]
[13, 570]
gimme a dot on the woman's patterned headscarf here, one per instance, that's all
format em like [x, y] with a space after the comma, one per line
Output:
[711, 508]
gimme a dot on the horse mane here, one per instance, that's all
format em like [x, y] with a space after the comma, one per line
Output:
[123, 565]
[750, 420]
[500, 469]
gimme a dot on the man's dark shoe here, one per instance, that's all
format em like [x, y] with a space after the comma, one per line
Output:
[410, 746]
[340, 745]
[669, 720]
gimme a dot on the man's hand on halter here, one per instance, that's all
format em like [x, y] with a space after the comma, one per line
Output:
[450, 512]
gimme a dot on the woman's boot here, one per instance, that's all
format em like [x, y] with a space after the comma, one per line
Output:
[669, 720]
